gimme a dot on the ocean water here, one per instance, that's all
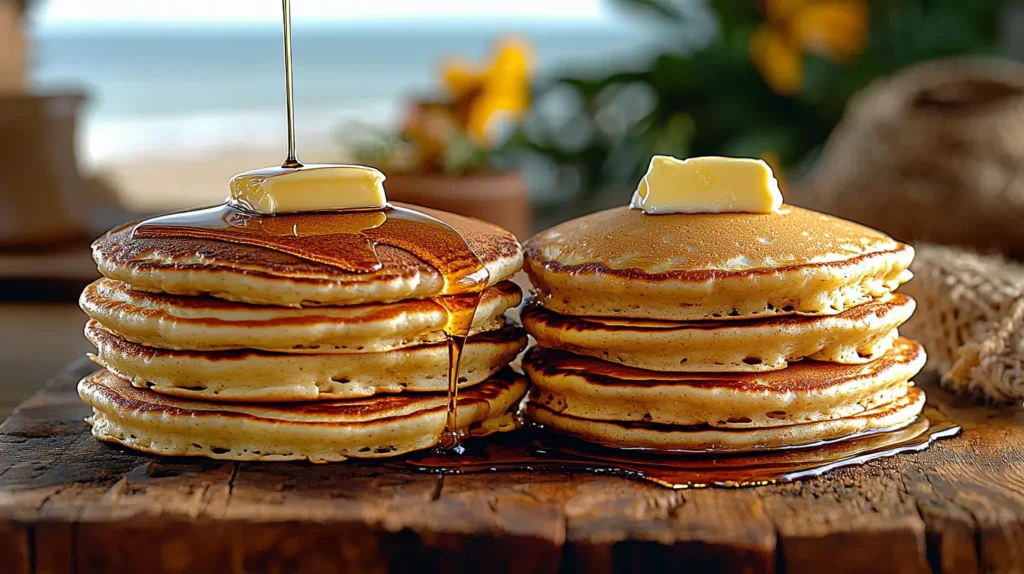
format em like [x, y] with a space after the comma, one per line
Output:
[167, 91]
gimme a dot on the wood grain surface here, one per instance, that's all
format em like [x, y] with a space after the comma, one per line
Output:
[71, 504]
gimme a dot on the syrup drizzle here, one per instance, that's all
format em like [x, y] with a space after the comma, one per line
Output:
[286, 14]
[349, 240]
[535, 448]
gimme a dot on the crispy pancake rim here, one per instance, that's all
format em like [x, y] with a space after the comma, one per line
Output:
[616, 263]
[318, 431]
[263, 276]
[205, 323]
[260, 376]
[588, 388]
[897, 414]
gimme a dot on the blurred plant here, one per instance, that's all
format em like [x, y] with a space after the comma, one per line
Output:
[772, 82]
[836, 30]
[457, 133]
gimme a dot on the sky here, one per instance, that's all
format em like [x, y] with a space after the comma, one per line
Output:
[75, 13]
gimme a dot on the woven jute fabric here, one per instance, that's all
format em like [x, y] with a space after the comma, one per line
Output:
[970, 319]
[934, 153]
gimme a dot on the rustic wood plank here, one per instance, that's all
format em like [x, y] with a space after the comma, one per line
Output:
[852, 521]
[15, 547]
[69, 503]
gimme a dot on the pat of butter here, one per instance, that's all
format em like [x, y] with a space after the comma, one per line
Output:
[707, 185]
[309, 188]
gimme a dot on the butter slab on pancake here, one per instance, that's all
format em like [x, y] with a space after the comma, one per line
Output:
[263, 276]
[249, 375]
[897, 414]
[380, 426]
[206, 323]
[622, 262]
[856, 335]
[807, 391]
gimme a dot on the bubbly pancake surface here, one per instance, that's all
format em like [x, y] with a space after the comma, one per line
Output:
[625, 263]
[857, 335]
[808, 391]
[896, 414]
[386, 425]
[251, 375]
[264, 276]
[206, 323]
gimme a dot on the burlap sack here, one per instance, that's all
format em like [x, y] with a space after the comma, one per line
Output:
[934, 153]
[970, 319]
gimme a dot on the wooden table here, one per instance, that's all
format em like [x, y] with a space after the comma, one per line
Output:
[71, 504]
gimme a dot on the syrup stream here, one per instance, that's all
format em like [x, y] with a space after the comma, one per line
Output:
[286, 10]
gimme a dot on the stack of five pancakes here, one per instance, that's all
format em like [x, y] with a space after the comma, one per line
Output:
[728, 331]
[237, 351]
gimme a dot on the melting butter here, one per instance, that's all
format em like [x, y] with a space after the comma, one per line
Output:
[326, 187]
[707, 185]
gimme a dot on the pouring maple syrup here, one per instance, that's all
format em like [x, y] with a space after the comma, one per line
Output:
[347, 239]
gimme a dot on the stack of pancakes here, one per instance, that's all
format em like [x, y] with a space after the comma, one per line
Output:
[241, 352]
[718, 331]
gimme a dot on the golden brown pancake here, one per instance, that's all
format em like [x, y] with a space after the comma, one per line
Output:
[682, 267]
[380, 426]
[206, 323]
[807, 391]
[897, 414]
[856, 335]
[264, 276]
[250, 375]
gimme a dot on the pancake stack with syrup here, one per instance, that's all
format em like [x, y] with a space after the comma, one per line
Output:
[232, 334]
[698, 320]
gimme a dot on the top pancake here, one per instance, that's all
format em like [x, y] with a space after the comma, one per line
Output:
[258, 275]
[625, 263]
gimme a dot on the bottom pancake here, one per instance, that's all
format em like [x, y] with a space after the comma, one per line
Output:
[249, 375]
[382, 426]
[896, 414]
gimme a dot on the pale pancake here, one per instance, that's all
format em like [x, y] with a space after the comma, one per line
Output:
[249, 375]
[587, 388]
[263, 276]
[856, 335]
[380, 426]
[206, 323]
[683, 267]
[899, 413]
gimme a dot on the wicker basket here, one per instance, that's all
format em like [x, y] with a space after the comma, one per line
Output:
[935, 153]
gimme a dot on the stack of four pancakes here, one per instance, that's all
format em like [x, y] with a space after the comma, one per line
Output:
[724, 331]
[237, 351]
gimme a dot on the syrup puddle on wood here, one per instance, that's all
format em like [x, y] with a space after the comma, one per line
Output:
[537, 449]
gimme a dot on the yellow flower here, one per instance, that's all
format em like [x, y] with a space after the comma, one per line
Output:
[834, 29]
[482, 96]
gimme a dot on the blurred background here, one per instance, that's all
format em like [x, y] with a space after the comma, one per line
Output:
[907, 115]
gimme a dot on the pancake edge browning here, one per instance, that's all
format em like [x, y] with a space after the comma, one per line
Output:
[167, 426]
[588, 388]
[857, 335]
[257, 275]
[259, 376]
[897, 414]
[826, 288]
[194, 323]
